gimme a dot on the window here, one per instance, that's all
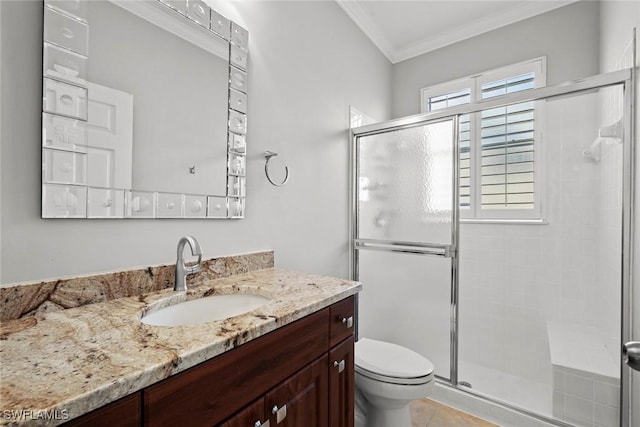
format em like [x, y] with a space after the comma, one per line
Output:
[500, 158]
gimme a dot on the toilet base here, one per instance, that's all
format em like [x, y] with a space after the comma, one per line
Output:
[387, 395]
[387, 405]
[387, 417]
[362, 409]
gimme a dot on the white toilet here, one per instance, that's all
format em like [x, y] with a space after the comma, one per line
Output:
[389, 377]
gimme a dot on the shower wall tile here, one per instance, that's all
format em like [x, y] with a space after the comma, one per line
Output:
[605, 415]
[578, 411]
[578, 397]
[606, 393]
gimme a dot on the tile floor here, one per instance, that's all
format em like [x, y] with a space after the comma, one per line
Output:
[429, 413]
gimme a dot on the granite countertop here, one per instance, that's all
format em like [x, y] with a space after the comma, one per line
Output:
[66, 363]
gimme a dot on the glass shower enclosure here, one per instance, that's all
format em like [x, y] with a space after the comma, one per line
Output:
[530, 314]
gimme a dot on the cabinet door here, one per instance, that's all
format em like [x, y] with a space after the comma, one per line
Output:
[251, 416]
[341, 384]
[302, 399]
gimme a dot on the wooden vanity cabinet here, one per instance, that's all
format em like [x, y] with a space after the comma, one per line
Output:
[304, 370]
[319, 395]
[207, 394]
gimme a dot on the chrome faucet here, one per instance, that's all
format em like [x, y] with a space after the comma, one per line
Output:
[181, 268]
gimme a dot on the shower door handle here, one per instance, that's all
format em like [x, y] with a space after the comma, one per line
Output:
[418, 248]
[631, 352]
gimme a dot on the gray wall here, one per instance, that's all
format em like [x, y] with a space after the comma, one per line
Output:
[308, 63]
[568, 36]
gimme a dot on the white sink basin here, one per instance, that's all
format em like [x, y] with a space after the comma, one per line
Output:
[202, 310]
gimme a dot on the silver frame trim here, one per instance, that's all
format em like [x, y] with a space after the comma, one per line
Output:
[455, 241]
[626, 78]
[628, 211]
[594, 82]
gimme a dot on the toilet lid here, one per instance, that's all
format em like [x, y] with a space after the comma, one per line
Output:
[390, 360]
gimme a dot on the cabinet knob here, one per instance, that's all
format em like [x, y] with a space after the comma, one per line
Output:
[280, 413]
[340, 365]
[261, 424]
[348, 321]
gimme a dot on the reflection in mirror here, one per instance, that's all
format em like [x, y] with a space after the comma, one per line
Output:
[176, 148]
[143, 118]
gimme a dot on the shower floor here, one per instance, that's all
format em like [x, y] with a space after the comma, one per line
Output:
[526, 394]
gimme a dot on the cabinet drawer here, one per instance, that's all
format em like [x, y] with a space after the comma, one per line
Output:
[342, 320]
[214, 390]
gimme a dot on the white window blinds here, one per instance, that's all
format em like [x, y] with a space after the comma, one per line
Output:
[499, 148]
[507, 148]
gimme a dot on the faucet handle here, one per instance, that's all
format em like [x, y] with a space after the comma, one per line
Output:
[195, 267]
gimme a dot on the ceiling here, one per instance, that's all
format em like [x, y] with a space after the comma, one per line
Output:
[402, 29]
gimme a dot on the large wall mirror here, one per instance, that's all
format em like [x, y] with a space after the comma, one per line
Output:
[144, 110]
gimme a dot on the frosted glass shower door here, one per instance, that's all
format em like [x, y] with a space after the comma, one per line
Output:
[405, 238]
[405, 185]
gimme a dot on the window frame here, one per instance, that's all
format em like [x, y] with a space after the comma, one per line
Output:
[474, 83]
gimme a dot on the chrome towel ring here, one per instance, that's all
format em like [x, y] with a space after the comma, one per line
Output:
[268, 155]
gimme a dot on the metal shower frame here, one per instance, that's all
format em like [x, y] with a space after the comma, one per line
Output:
[626, 78]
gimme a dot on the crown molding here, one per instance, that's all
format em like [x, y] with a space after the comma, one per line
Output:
[368, 27]
[519, 12]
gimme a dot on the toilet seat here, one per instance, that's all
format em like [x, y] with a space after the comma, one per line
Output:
[394, 380]
[391, 363]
